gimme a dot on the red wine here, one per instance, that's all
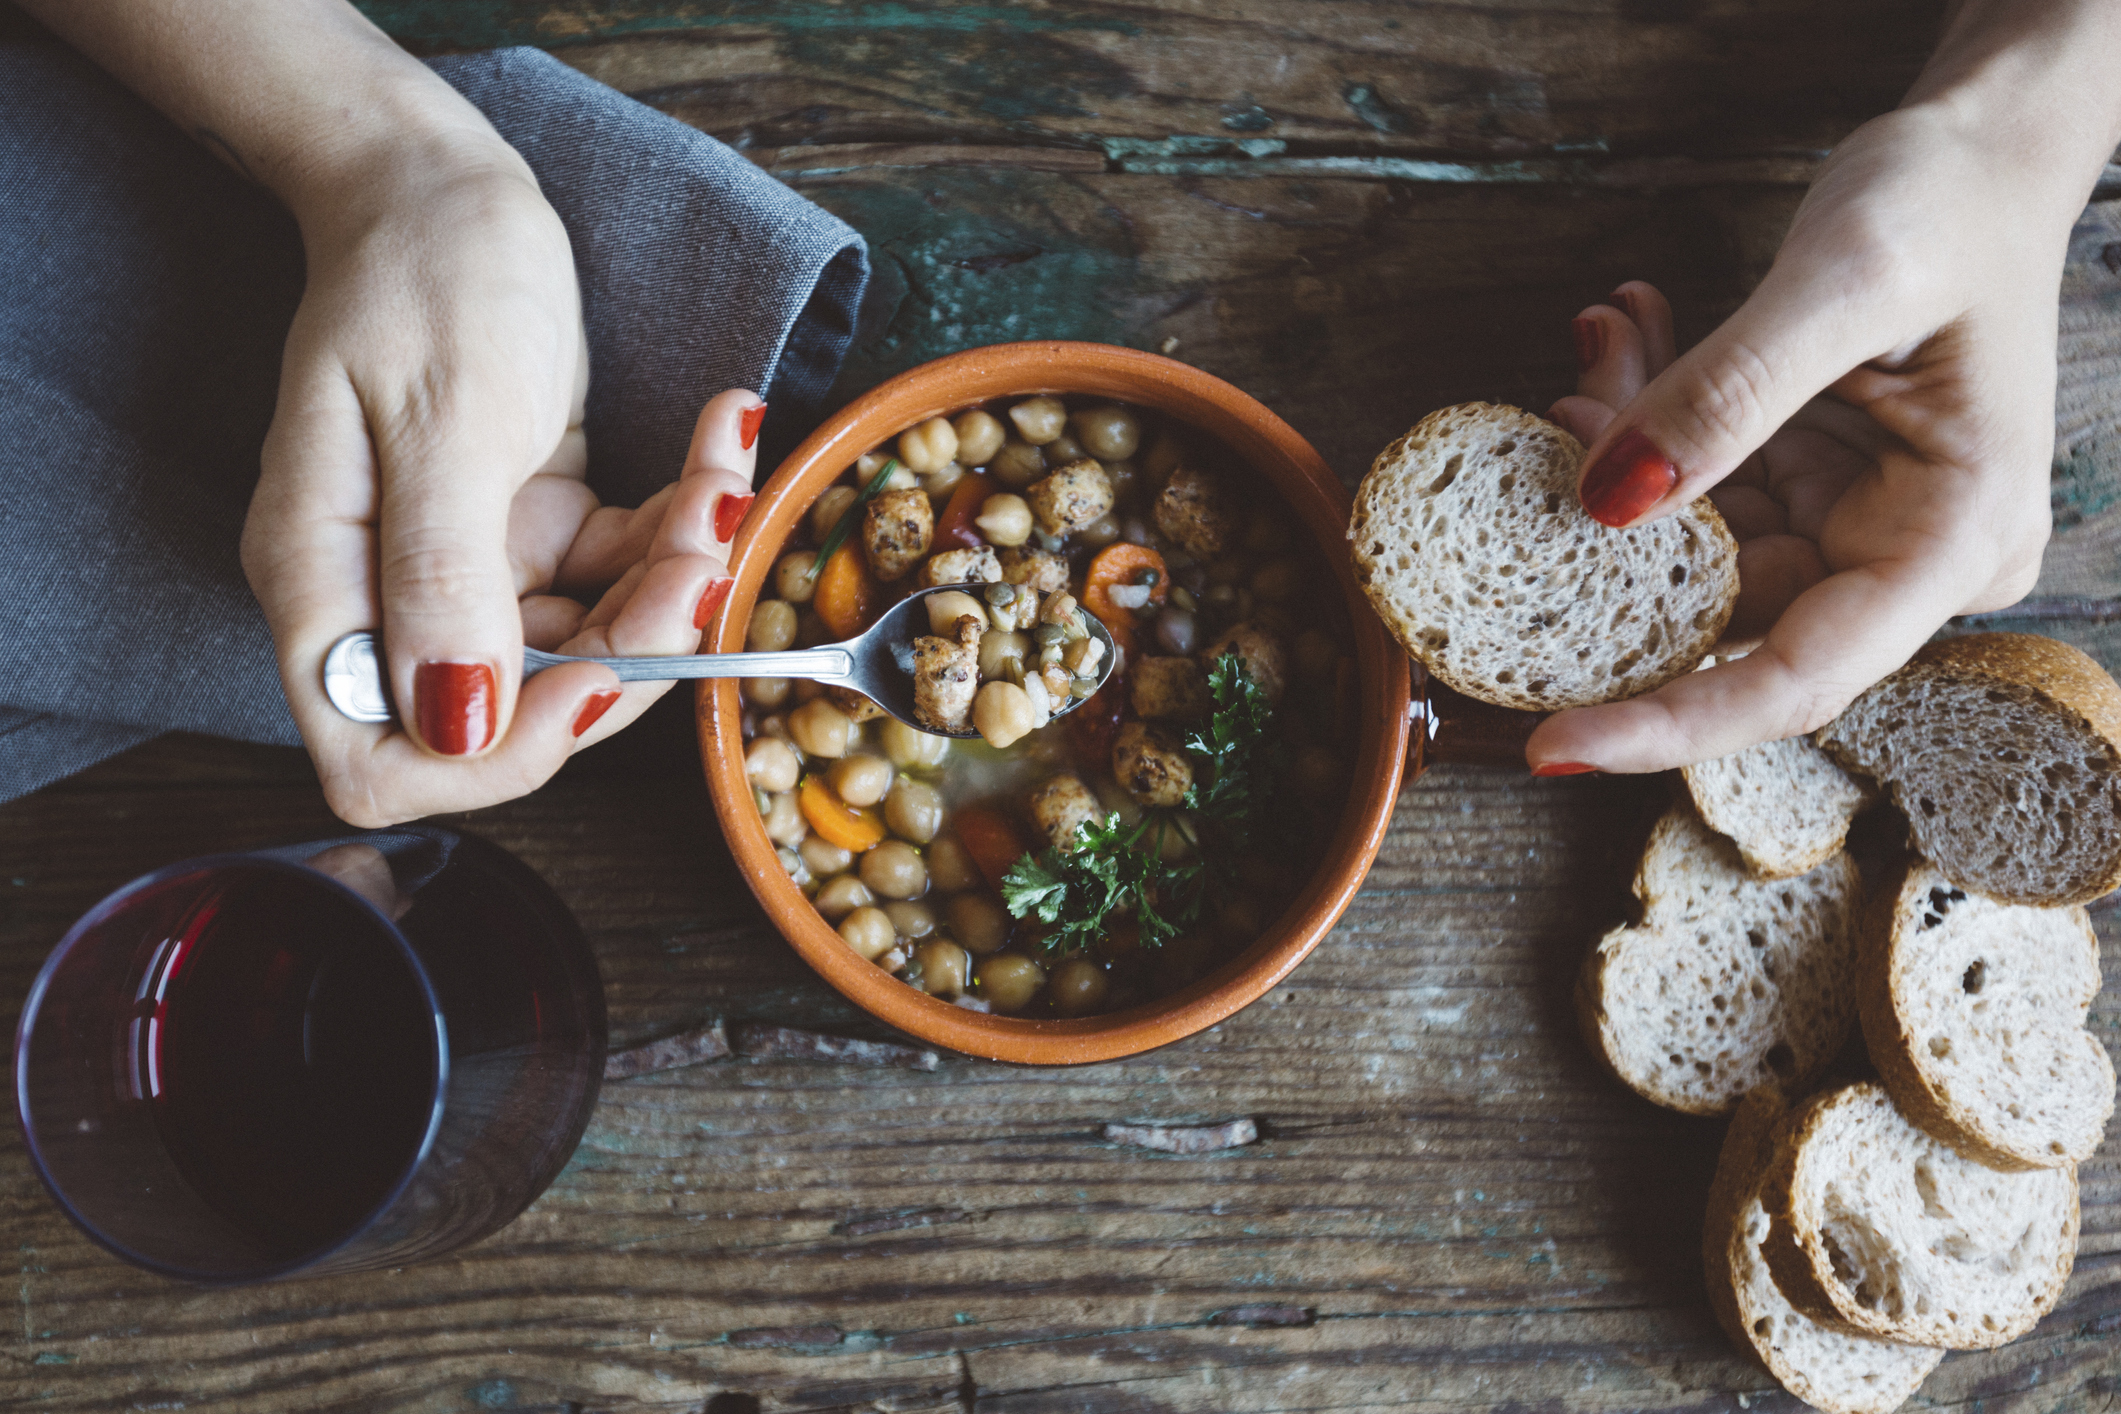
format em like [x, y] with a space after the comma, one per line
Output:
[289, 1052]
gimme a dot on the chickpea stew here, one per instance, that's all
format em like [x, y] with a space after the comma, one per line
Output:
[1070, 867]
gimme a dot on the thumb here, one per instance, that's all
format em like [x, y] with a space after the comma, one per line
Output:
[1697, 422]
[451, 626]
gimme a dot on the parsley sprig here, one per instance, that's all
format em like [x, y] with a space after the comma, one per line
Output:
[1111, 870]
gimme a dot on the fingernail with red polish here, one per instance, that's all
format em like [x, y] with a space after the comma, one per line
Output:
[456, 705]
[1630, 478]
[1627, 302]
[1564, 768]
[598, 704]
[1590, 343]
[748, 424]
[711, 600]
[729, 514]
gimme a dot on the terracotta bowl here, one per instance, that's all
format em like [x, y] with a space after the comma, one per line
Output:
[1272, 447]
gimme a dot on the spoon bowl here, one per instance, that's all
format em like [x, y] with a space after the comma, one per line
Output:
[877, 663]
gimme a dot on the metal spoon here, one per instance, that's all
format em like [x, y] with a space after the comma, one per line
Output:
[869, 663]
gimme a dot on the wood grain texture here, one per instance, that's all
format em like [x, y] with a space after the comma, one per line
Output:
[1358, 213]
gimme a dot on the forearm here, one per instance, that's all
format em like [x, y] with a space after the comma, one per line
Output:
[2040, 80]
[305, 97]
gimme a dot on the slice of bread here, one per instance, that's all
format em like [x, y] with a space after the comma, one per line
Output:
[1727, 981]
[1974, 1014]
[1878, 1227]
[1828, 1368]
[2004, 752]
[1785, 804]
[1469, 539]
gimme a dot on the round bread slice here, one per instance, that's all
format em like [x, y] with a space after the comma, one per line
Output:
[1785, 804]
[2004, 752]
[1974, 1013]
[1728, 982]
[1470, 541]
[1828, 1368]
[1879, 1228]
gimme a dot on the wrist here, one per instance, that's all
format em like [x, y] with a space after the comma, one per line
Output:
[414, 137]
[2037, 85]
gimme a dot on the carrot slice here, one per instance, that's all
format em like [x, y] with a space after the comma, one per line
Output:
[1122, 563]
[954, 530]
[991, 841]
[845, 592]
[837, 821]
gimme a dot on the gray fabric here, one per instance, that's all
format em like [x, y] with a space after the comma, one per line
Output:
[148, 290]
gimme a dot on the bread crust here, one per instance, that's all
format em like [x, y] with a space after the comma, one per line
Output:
[2069, 681]
[1545, 442]
[1800, 1254]
[1882, 966]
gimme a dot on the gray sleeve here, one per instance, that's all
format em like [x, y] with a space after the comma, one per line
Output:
[150, 291]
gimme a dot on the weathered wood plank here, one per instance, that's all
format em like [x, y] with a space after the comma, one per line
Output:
[1405, 77]
[1468, 1214]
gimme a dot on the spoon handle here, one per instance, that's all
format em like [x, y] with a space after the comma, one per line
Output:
[817, 664]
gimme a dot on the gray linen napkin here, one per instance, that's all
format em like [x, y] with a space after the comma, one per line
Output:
[145, 293]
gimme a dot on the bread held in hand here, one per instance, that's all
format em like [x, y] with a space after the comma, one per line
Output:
[1471, 543]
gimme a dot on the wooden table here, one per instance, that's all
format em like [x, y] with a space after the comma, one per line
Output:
[1358, 212]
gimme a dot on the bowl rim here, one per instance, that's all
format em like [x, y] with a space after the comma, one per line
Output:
[1268, 444]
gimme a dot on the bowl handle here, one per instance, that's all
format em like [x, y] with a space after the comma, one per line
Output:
[1443, 725]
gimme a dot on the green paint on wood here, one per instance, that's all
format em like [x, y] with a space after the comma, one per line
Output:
[2086, 482]
[963, 258]
[52, 1357]
[481, 24]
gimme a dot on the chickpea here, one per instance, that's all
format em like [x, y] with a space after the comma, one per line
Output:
[979, 436]
[1039, 420]
[825, 513]
[1316, 770]
[978, 922]
[929, 446]
[910, 748]
[950, 867]
[792, 579]
[821, 729]
[914, 921]
[772, 626]
[1099, 533]
[914, 811]
[869, 932]
[798, 871]
[1002, 713]
[841, 895]
[870, 464]
[1276, 581]
[1009, 982]
[1017, 465]
[771, 765]
[861, 780]
[784, 822]
[1064, 449]
[945, 968]
[1005, 519]
[1115, 800]
[945, 609]
[1124, 476]
[766, 692]
[894, 870]
[824, 857]
[998, 648]
[1162, 458]
[810, 631]
[1078, 987]
[805, 690]
[1109, 432]
[775, 725]
[1315, 653]
[939, 484]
